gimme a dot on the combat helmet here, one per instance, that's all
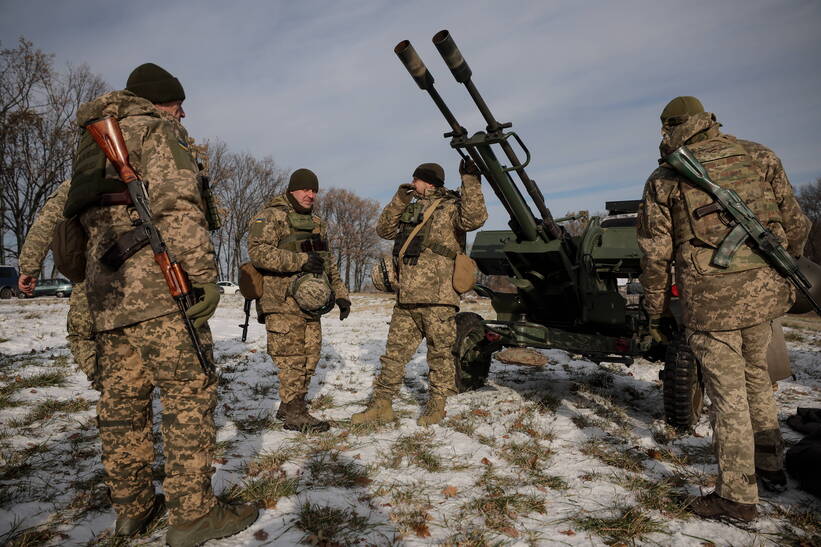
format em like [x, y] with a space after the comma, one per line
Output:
[313, 293]
[383, 275]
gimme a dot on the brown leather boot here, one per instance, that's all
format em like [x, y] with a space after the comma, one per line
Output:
[713, 506]
[295, 417]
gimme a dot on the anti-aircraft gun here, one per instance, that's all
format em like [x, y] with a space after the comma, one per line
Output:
[567, 287]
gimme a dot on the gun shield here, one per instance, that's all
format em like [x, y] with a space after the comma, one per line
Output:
[418, 71]
[452, 56]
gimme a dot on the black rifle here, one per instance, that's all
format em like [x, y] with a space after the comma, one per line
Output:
[244, 326]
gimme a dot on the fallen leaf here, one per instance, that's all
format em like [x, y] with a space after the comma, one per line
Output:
[73, 436]
[711, 544]
[449, 491]
[480, 412]
[422, 530]
[508, 531]
[271, 504]
[33, 391]
[485, 461]
[260, 535]
[568, 532]
[505, 436]
[253, 351]
[221, 461]
[654, 453]
[358, 457]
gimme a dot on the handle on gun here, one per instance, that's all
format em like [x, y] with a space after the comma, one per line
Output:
[106, 133]
[244, 326]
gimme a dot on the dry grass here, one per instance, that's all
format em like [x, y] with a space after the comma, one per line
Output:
[625, 525]
[627, 459]
[417, 449]
[333, 469]
[326, 525]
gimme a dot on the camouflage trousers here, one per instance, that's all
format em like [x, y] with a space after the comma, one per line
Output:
[80, 329]
[743, 412]
[133, 361]
[409, 325]
[294, 344]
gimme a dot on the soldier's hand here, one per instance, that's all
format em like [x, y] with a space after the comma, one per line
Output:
[26, 284]
[405, 193]
[205, 307]
[314, 264]
[469, 167]
[656, 333]
[344, 308]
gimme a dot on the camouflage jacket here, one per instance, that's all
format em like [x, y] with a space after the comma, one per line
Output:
[266, 233]
[158, 149]
[748, 292]
[38, 239]
[430, 279]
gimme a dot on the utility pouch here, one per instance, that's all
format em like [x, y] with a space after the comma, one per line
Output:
[300, 222]
[250, 281]
[464, 273]
[124, 248]
[68, 245]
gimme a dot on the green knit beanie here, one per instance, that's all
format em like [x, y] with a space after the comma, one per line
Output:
[303, 179]
[154, 83]
[679, 108]
[431, 173]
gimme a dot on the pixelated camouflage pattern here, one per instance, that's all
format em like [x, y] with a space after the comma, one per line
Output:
[38, 239]
[133, 361]
[743, 411]
[280, 266]
[409, 325]
[756, 291]
[79, 325]
[159, 151]
[312, 292]
[430, 280]
[294, 344]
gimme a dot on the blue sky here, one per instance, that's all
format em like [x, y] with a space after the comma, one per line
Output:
[316, 84]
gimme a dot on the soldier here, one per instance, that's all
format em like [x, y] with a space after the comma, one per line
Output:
[426, 303]
[142, 342]
[78, 323]
[288, 244]
[727, 312]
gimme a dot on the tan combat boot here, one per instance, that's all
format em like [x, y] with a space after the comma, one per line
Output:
[295, 417]
[713, 506]
[379, 411]
[131, 526]
[434, 411]
[222, 521]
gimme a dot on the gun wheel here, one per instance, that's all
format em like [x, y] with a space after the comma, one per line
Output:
[683, 386]
[472, 360]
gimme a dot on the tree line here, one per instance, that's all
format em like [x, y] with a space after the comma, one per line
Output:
[38, 137]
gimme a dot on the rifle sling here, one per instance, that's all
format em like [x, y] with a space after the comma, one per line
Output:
[425, 217]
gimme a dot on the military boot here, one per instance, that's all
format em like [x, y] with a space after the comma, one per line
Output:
[131, 526]
[222, 521]
[713, 506]
[295, 417]
[774, 481]
[434, 411]
[379, 411]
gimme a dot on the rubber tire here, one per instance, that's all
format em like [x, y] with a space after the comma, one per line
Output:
[469, 375]
[6, 292]
[683, 386]
[59, 294]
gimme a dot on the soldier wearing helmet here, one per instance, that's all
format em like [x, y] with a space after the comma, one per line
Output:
[728, 312]
[289, 245]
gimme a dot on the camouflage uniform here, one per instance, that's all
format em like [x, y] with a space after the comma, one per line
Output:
[426, 303]
[294, 337]
[78, 323]
[141, 341]
[727, 313]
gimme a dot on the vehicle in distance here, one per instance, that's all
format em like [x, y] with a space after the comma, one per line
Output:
[53, 287]
[228, 287]
[8, 281]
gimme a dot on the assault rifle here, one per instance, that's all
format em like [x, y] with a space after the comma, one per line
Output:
[745, 225]
[106, 133]
[247, 309]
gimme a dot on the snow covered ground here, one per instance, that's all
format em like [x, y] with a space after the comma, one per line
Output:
[571, 453]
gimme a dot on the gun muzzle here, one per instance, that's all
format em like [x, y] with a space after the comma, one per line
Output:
[452, 56]
[418, 71]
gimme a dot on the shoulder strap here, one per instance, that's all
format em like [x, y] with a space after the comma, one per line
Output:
[425, 217]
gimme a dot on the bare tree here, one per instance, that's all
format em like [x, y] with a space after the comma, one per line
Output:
[809, 197]
[39, 135]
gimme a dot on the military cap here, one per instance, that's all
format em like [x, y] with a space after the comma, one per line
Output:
[154, 83]
[303, 179]
[431, 173]
[681, 107]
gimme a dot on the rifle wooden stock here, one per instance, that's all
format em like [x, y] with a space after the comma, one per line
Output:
[106, 133]
[175, 277]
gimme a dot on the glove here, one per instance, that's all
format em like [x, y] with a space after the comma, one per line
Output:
[344, 308]
[206, 304]
[468, 167]
[656, 333]
[405, 193]
[314, 265]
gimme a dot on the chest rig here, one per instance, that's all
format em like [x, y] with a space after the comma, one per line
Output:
[305, 236]
[410, 219]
